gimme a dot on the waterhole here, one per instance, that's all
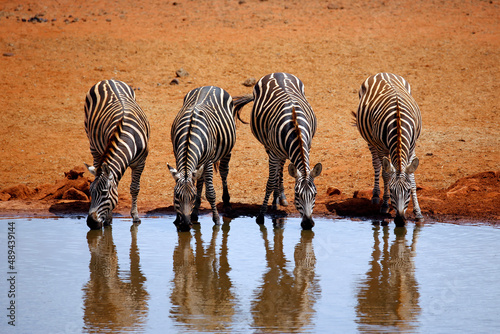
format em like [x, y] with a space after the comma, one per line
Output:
[342, 277]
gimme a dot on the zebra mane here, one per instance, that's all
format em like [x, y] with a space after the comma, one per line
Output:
[185, 170]
[399, 129]
[299, 135]
[399, 149]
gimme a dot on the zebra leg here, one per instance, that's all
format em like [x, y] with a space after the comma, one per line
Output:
[274, 163]
[135, 187]
[387, 194]
[224, 171]
[278, 188]
[210, 191]
[416, 208]
[377, 165]
[197, 201]
[282, 197]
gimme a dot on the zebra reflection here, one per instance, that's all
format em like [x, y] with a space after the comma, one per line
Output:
[388, 297]
[202, 296]
[114, 300]
[285, 300]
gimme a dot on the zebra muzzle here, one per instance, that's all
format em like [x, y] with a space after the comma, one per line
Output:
[93, 222]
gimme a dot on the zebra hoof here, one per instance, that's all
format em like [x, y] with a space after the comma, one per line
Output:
[136, 220]
[216, 219]
[384, 208]
[419, 218]
[375, 200]
[260, 219]
[227, 207]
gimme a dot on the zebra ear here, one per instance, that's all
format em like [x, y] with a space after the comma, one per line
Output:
[316, 170]
[413, 166]
[173, 171]
[106, 171]
[198, 173]
[293, 171]
[91, 169]
[387, 165]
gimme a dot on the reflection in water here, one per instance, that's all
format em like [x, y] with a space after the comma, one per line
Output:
[201, 296]
[389, 295]
[113, 303]
[285, 302]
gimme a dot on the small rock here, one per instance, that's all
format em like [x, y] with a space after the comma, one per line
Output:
[334, 6]
[250, 82]
[333, 191]
[20, 191]
[365, 193]
[4, 197]
[181, 73]
[174, 81]
[74, 174]
[75, 194]
[37, 19]
[8, 54]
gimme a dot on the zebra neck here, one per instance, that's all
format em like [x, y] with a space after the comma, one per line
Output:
[117, 172]
[115, 157]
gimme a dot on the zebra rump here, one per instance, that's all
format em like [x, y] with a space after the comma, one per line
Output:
[389, 120]
[203, 135]
[118, 132]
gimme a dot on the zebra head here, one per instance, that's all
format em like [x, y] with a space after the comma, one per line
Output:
[103, 197]
[305, 193]
[400, 187]
[184, 196]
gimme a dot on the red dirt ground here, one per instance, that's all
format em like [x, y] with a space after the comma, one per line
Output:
[52, 52]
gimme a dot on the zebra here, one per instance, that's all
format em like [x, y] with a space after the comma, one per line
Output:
[203, 134]
[389, 120]
[118, 132]
[283, 121]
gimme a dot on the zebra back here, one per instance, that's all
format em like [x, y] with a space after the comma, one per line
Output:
[117, 127]
[204, 129]
[282, 119]
[388, 117]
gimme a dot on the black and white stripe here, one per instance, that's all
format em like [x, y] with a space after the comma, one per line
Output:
[284, 122]
[118, 131]
[389, 119]
[203, 134]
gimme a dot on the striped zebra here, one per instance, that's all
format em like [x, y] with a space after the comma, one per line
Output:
[203, 135]
[284, 122]
[118, 131]
[389, 119]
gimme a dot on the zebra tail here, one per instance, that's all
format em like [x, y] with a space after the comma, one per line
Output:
[353, 122]
[239, 102]
[216, 166]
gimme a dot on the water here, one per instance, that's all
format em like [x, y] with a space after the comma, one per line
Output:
[343, 277]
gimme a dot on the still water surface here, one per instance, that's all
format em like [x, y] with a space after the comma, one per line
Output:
[343, 277]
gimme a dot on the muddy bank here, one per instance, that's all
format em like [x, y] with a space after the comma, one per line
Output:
[473, 198]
